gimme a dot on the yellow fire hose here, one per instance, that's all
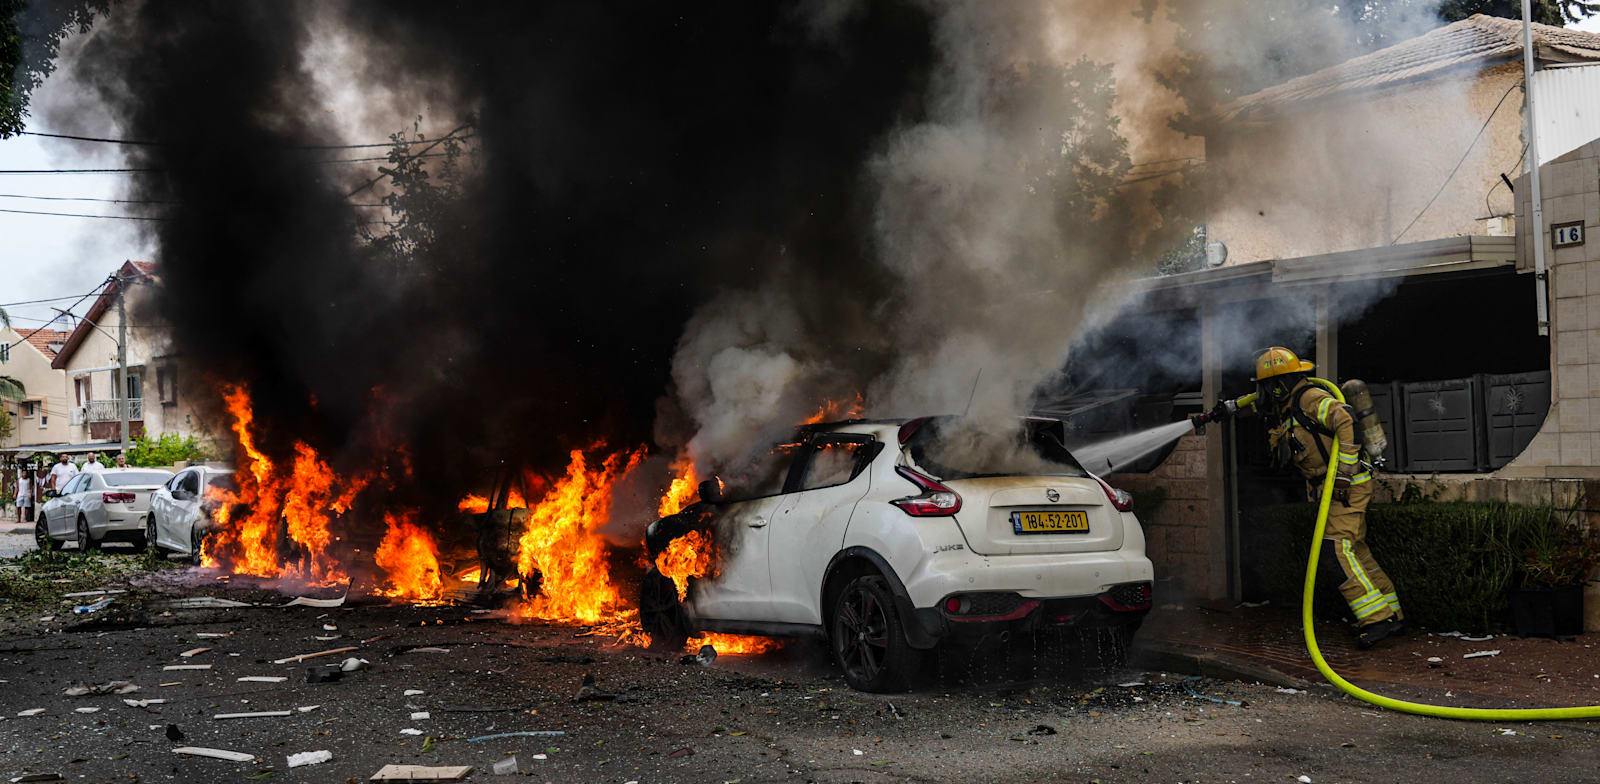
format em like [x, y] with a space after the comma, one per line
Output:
[1423, 709]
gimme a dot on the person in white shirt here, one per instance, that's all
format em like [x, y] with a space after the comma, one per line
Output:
[61, 473]
[93, 463]
[25, 494]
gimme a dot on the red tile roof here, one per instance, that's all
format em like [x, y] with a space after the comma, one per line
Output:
[1473, 41]
[42, 338]
[128, 270]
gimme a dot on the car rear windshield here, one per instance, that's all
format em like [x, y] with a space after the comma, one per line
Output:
[136, 478]
[956, 448]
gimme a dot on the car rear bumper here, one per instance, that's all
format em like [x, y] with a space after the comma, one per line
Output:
[124, 521]
[1025, 592]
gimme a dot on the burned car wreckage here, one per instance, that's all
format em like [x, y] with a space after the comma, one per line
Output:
[892, 537]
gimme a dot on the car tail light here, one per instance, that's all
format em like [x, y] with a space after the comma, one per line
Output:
[936, 500]
[1118, 498]
[117, 498]
[910, 428]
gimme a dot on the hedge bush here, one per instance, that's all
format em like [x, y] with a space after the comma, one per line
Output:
[1451, 562]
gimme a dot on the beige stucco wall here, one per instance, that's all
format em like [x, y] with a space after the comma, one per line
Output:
[41, 383]
[1568, 445]
[1352, 172]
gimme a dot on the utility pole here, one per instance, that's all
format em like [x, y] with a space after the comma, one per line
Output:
[1536, 213]
[122, 357]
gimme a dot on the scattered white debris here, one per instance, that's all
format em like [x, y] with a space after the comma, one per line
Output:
[33, 777]
[406, 731]
[429, 649]
[1480, 654]
[856, 752]
[352, 664]
[193, 652]
[393, 772]
[109, 687]
[307, 708]
[1130, 684]
[46, 618]
[31, 712]
[326, 638]
[541, 756]
[328, 627]
[86, 710]
[262, 679]
[1477, 639]
[506, 766]
[420, 715]
[222, 754]
[1505, 731]
[201, 603]
[1304, 780]
[256, 715]
[414, 692]
[1286, 690]
[90, 593]
[1253, 605]
[309, 758]
[1434, 659]
[302, 657]
[143, 703]
[212, 635]
[306, 601]
[187, 667]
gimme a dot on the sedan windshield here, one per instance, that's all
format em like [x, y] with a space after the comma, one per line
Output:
[956, 448]
[135, 478]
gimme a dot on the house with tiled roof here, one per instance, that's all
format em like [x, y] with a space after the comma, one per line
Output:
[1373, 216]
[41, 416]
[94, 383]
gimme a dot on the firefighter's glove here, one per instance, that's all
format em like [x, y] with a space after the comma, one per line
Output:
[1341, 489]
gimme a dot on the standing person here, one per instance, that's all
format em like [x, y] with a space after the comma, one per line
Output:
[25, 494]
[1303, 419]
[61, 473]
[93, 463]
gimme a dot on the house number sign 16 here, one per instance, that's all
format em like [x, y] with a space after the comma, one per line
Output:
[1567, 235]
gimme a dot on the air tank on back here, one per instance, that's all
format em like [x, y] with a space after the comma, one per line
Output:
[1373, 440]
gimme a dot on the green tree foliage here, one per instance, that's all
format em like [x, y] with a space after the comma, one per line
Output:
[164, 450]
[10, 388]
[7, 427]
[30, 34]
[421, 198]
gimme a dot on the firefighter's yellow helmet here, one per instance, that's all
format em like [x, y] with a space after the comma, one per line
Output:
[1277, 361]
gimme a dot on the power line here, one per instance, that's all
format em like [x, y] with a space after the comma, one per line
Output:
[1457, 167]
[36, 301]
[69, 308]
[382, 174]
[142, 143]
[82, 215]
[82, 198]
[159, 168]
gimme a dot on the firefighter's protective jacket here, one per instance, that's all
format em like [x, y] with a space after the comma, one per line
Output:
[1315, 417]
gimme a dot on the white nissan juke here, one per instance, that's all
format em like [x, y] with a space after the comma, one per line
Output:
[891, 537]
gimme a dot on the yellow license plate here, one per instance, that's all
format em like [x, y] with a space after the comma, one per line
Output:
[1050, 522]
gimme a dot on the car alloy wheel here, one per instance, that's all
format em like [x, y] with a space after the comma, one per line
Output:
[861, 633]
[195, 541]
[661, 614]
[85, 542]
[42, 538]
[150, 534]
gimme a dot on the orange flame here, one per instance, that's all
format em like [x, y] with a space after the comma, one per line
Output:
[835, 410]
[683, 487]
[410, 561]
[562, 544]
[687, 556]
[733, 643]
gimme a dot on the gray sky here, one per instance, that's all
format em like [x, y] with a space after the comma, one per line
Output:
[63, 257]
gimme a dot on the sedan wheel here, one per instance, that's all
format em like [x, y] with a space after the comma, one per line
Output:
[150, 535]
[868, 639]
[196, 541]
[85, 541]
[661, 614]
[42, 537]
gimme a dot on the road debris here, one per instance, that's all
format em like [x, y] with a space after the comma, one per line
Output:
[30, 712]
[81, 594]
[173, 733]
[109, 687]
[688, 752]
[410, 731]
[1042, 729]
[143, 703]
[506, 766]
[1287, 690]
[414, 692]
[521, 734]
[187, 667]
[588, 692]
[1480, 654]
[255, 715]
[307, 708]
[320, 675]
[304, 656]
[427, 649]
[421, 773]
[353, 664]
[306, 601]
[420, 715]
[262, 679]
[212, 635]
[86, 710]
[199, 603]
[309, 758]
[193, 652]
[893, 711]
[84, 609]
[221, 754]
[31, 777]
[705, 657]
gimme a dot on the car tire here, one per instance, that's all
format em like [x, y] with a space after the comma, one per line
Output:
[196, 542]
[85, 541]
[661, 614]
[42, 537]
[150, 545]
[867, 638]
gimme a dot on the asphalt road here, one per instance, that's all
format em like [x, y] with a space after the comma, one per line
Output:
[784, 716]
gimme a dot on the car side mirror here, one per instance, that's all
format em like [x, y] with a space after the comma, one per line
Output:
[711, 491]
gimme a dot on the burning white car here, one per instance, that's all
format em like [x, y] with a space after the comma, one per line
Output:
[180, 510]
[890, 537]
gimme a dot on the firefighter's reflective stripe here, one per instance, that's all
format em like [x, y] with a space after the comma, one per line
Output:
[1322, 410]
[1350, 459]
[1361, 477]
[1356, 571]
[1369, 604]
[1393, 601]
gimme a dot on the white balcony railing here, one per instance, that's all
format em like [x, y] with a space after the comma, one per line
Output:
[106, 410]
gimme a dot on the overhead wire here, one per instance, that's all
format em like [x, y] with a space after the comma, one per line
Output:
[135, 170]
[144, 143]
[1457, 167]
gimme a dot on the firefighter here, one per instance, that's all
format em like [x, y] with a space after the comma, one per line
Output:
[1303, 418]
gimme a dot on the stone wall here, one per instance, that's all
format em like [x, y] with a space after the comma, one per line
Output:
[1176, 531]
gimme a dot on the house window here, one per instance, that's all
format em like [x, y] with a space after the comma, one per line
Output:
[135, 386]
[30, 409]
[167, 385]
[5, 352]
[44, 416]
[84, 391]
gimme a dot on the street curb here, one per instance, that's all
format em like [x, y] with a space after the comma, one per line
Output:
[1190, 660]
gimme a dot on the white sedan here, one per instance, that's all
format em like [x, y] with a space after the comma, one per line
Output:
[180, 510]
[99, 506]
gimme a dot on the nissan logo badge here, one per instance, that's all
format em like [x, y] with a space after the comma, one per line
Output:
[1052, 495]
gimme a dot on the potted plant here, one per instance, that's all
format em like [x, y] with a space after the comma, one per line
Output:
[1556, 560]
